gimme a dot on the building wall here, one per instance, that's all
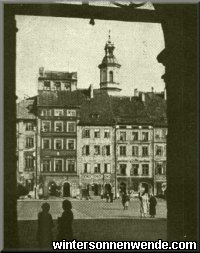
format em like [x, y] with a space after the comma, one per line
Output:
[91, 177]
[160, 158]
[26, 169]
[49, 173]
[133, 181]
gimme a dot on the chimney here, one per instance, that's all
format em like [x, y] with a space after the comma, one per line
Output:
[152, 89]
[143, 96]
[165, 94]
[91, 91]
[41, 71]
[135, 92]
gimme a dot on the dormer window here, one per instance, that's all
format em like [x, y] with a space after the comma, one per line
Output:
[57, 85]
[67, 86]
[47, 85]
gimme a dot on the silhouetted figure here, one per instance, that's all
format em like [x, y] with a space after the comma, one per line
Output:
[45, 225]
[65, 230]
[111, 197]
[123, 199]
[152, 206]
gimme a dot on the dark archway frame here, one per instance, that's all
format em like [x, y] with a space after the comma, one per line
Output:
[180, 24]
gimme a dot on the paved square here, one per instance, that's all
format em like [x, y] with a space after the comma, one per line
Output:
[95, 220]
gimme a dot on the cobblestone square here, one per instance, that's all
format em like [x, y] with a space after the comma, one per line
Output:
[95, 220]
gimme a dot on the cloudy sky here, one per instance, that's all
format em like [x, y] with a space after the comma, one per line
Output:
[69, 44]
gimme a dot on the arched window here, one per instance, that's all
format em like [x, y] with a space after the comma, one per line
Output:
[111, 76]
[104, 76]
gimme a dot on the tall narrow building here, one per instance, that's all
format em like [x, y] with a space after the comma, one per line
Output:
[109, 70]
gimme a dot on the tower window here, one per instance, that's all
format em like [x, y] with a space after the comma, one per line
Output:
[104, 76]
[111, 76]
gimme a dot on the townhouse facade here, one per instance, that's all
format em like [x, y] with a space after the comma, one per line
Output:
[95, 157]
[134, 157]
[26, 144]
[57, 135]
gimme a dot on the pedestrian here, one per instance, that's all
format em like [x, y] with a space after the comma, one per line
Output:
[65, 230]
[144, 204]
[111, 197]
[152, 206]
[45, 225]
[102, 193]
[107, 196]
[127, 199]
[123, 199]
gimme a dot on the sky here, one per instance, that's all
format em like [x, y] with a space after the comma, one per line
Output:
[73, 45]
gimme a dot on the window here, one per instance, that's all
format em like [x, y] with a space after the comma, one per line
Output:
[145, 151]
[159, 169]
[107, 168]
[58, 144]
[145, 169]
[122, 169]
[29, 162]
[86, 133]
[96, 150]
[104, 76]
[46, 143]
[159, 151]
[47, 85]
[135, 136]
[106, 133]
[71, 166]
[46, 126]
[46, 112]
[71, 113]
[58, 112]
[71, 144]
[107, 149]
[122, 151]
[111, 76]
[122, 136]
[57, 86]
[58, 126]
[46, 165]
[158, 134]
[86, 168]
[145, 136]
[67, 86]
[29, 142]
[86, 150]
[134, 170]
[97, 168]
[96, 133]
[134, 150]
[71, 127]
[29, 126]
[58, 165]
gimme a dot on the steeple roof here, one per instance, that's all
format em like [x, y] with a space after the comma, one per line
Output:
[109, 58]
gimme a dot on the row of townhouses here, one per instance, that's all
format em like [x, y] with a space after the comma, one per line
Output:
[70, 140]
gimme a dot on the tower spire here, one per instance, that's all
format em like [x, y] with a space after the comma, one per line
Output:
[109, 37]
[109, 69]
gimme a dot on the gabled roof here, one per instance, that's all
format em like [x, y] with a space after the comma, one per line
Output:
[58, 75]
[25, 109]
[103, 109]
[61, 98]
